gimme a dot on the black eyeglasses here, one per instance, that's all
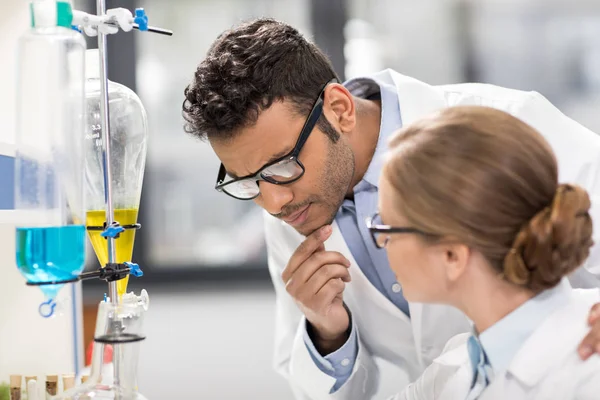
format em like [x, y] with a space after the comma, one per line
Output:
[380, 233]
[284, 170]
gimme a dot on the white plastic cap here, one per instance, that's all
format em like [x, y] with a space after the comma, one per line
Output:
[44, 13]
[92, 64]
[50, 13]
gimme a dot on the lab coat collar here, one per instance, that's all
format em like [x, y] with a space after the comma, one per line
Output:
[544, 350]
[390, 120]
[504, 339]
[456, 357]
[417, 99]
[521, 365]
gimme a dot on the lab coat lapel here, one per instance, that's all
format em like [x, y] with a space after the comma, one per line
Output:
[336, 242]
[360, 284]
[416, 100]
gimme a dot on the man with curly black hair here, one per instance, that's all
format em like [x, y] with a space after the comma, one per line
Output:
[309, 150]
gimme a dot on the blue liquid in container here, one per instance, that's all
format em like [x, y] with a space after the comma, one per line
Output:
[51, 254]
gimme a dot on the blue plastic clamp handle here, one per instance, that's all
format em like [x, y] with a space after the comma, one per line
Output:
[141, 19]
[112, 231]
[76, 28]
[46, 309]
[134, 269]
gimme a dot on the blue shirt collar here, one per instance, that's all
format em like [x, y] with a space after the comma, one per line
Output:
[391, 121]
[502, 341]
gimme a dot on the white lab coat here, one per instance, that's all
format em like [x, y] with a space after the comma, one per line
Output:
[383, 330]
[546, 367]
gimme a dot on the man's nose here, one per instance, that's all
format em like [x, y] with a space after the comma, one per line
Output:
[274, 197]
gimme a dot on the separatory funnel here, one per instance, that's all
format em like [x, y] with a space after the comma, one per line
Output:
[128, 140]
[49, 159]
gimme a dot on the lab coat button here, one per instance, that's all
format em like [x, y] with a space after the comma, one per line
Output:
[345, 362]
[396, 288]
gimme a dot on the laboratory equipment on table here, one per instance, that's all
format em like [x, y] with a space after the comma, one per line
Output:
[116, 137]
[49, 181]
[120, 325]
[128, 141]
[106, 124]
[31, 387]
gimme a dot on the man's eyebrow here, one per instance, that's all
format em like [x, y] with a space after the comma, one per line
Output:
[273, 158]
[232, 175]
[278, 156]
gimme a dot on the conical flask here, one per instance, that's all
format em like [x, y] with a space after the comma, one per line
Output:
[120, 325]
[49, 180]
[128, 140]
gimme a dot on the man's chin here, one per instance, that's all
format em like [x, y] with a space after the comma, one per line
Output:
[310, 227]
[304, 230]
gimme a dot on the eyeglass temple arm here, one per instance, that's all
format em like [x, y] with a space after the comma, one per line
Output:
[310, 123]
[314, 116]
[221, 175]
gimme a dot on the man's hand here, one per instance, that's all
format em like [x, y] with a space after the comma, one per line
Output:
[315, 279]
[591, 343]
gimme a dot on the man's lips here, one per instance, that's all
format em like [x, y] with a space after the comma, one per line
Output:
[292, 218]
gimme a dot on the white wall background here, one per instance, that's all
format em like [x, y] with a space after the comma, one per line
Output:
[210, 344]
[14, 20]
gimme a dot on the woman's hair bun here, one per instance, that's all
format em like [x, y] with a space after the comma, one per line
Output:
[555, 242]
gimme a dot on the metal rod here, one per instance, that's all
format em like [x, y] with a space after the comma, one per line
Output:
[110, 216]
[105, 128]
[156, 30]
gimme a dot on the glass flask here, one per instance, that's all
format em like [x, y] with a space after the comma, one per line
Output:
[49, 158]
[128, 140]
[121, 326]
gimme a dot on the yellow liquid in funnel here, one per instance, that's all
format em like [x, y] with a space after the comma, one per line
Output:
[124, 244]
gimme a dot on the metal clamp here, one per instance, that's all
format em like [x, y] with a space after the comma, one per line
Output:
[114, 20]
[113, 272]
[114, 230]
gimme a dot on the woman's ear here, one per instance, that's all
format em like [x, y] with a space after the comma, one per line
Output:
[455, 259]
[339, 107]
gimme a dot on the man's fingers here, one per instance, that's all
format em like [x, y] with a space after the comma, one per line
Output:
[594, 314]
[314, 263]
[325, 274]
[312, 243]
[333, 289]
[591, 343]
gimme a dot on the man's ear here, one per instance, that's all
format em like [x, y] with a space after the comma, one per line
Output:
[339, 107]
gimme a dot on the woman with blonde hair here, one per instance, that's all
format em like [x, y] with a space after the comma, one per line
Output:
[472, 215]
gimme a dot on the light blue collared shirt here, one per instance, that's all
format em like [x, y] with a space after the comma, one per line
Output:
[502, 341]
[351, 221]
